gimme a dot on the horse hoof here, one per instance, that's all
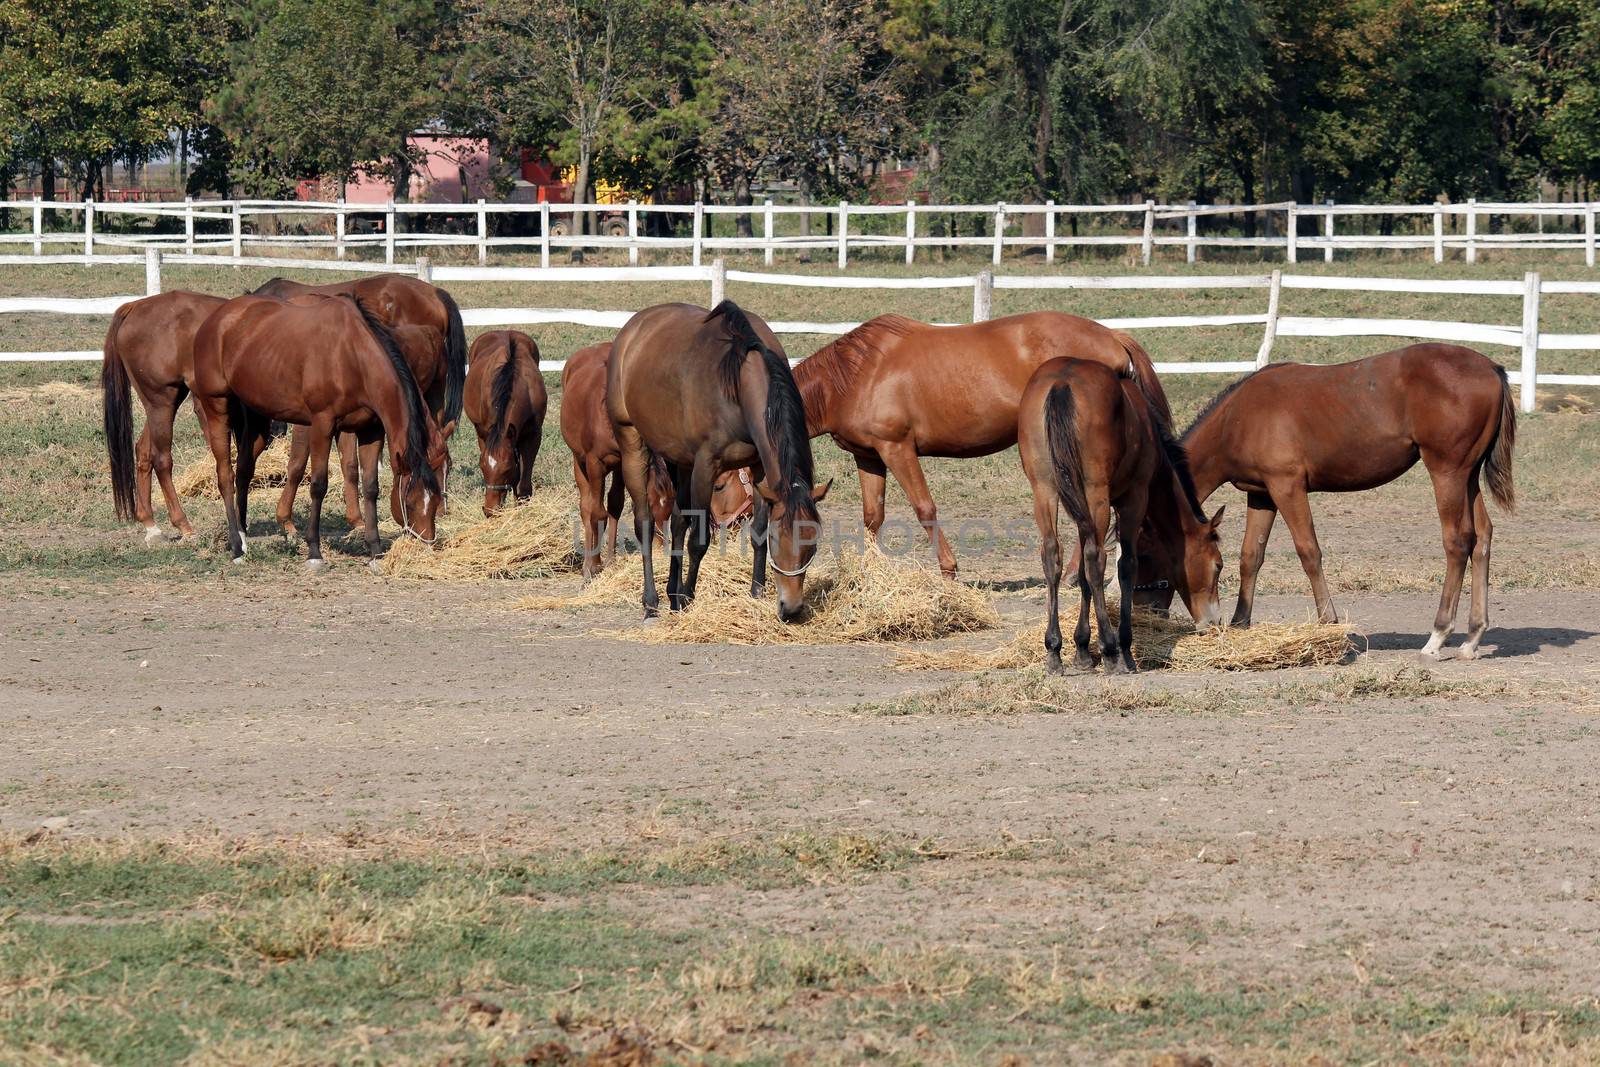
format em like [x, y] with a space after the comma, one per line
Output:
[237, 559]
[153, 535]
[375, 566]
[316, 566]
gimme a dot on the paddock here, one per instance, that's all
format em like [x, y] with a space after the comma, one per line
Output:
[351, 815]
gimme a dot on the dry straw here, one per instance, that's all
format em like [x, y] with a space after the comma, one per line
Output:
[1159, 641]
[199, 479]
[866, 597]
[531, 540]
[620, 585]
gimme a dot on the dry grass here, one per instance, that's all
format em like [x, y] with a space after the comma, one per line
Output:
[1160, 641]
[620, 585]
[869, 597]
[534, 539]
[199, 479]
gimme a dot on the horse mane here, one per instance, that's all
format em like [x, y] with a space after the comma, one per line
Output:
[1217, 401]
[786, 412]
[1178, 458]
[416, 445]
[830, 369]
[500, 390]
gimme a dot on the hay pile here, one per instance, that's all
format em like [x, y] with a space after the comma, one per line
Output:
[199, 479]
[1159, 641]
[866, 597]
[534, 539]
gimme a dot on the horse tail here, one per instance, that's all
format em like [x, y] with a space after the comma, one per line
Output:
[116, 390]
[1061, 431]
[1497, 459]
[455, 358]
[1144, 374]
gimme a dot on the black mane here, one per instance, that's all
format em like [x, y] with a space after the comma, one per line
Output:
[500, 390]
[786, 413]
[1178, 457]
[416, 444]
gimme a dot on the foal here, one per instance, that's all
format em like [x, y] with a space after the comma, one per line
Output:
[506, 400]
[1091, 442]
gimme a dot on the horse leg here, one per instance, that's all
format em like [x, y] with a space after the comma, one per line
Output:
[901, 459]
[1257, 528]
[1478, 621]
[368, 453]
[760, 512]
[350, 468]
[1128, 522]
[676, 600]
[870, 469]
[1094, 570]
[1081, 658]
[321, 442]
[219, 437]
[1455, 523]
[636, 476]
[1296, 508]
[251, 445]
[528, 451]
[702, 481]
[1044, 517]
[294, 473]
[591, 512]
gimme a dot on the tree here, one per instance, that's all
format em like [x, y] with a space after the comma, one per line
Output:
[87, 81]
[320, 88]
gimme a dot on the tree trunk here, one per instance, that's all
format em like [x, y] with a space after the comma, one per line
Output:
[1247, 178]
[402, 172]
[805, 216]
[742, 197]
[47, 186]
[183, 159]
[580, 195]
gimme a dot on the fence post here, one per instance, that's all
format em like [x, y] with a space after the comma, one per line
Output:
[483, 233]
[719, 281]
[188, 224]
[999, 231]
[338, 228]
[1149, 230]
[1327, 230]
[1270, 334]
[1292, 231]
[88, 226]
[844, 233]
[1472, 230]
[911, 230]
[1438, 233]
[152, 271]
[1530, 337]
[238, 230]
[389, 219]
[1049, 231]
[544, 233]
[1189, 250]
[1588, 236]
[766, 223]
[424, 269]
[699, 229]
[633, 232]
[38, 226]
[982, 295]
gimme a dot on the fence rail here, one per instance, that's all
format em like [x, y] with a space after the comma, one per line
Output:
[1525, 335]
[1292, 230]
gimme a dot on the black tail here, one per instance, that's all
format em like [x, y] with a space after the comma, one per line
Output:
[415, 446]
[455, 358]
[1061, 430]
[1497, 461]
[116, 391]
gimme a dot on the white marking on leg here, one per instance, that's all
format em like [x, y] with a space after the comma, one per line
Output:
[1435, 643]
[153, 534]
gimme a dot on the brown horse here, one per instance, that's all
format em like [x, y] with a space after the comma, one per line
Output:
[398, 300]
[423, 348]
[711, 392]
[1091, 441]
[893, 389]
[149, 347]
[325, 362]
[1291, 429]
[506, 400]
[587, 429]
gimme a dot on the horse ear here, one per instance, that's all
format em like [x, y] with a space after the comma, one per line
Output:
[821, 491]
[1216, 519]
[766, 492]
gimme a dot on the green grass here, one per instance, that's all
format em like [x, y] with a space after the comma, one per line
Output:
[217, 953]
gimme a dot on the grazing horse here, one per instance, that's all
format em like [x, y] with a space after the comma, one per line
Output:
[149, 347]
[712, 392]
[325, 362]
[894, 389]
[506, 400]
[1091, 441]
[1290, 429]
[401, 301]
[423, 348]
[586, 427]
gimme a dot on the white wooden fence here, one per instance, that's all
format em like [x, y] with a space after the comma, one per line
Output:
[231, 226]
[1525, 336]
